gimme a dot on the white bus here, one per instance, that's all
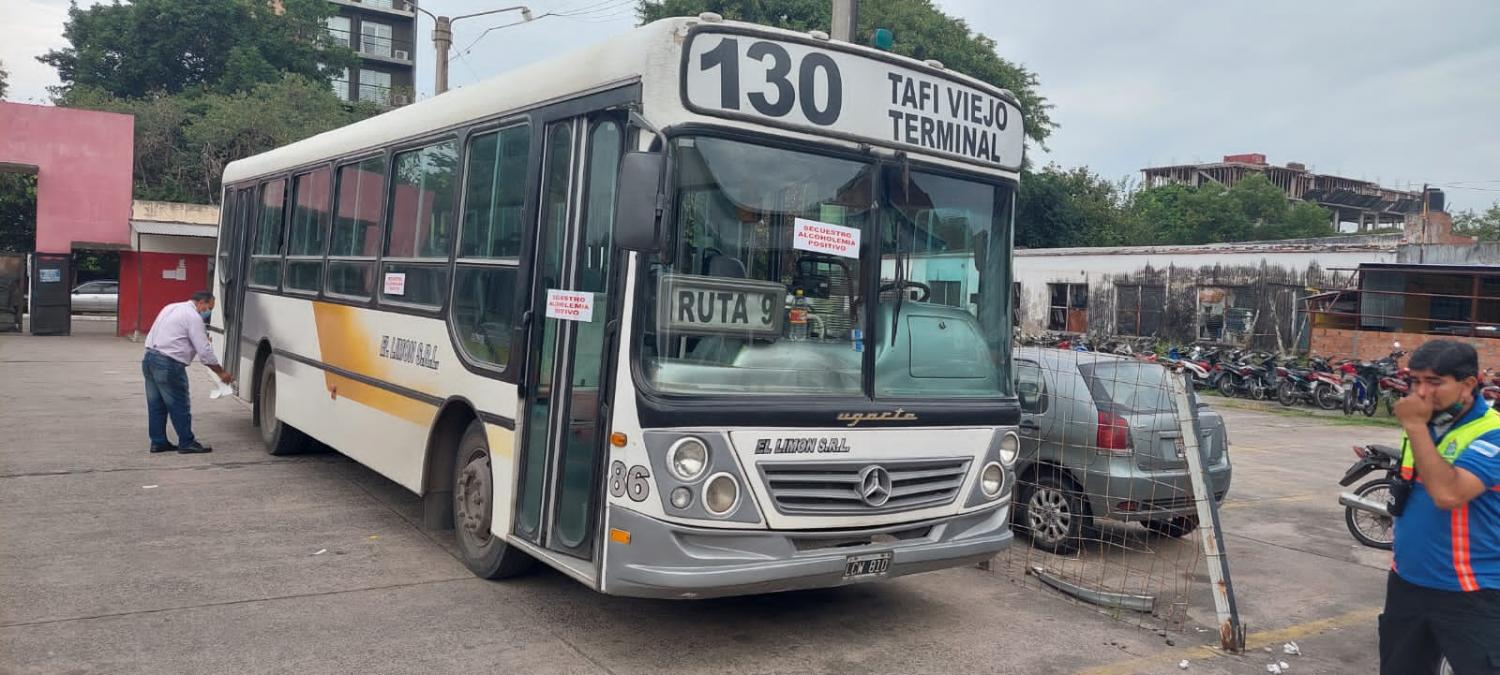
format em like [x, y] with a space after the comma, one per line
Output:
[646, 312]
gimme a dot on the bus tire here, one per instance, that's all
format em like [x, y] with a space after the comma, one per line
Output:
[485, 554]
[279, 437]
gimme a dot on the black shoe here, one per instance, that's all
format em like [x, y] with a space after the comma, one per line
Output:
[195, 448]
[166, 447]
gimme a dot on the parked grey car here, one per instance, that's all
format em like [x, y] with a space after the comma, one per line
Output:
[97, 296]
[1100, 439]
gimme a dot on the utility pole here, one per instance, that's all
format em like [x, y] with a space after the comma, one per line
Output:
[845, 18]
[442, 38]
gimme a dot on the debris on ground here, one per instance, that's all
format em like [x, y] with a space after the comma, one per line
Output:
[321, 551]
[1183, 664]
[1273, 669]
[148, 487]
[1291, 648]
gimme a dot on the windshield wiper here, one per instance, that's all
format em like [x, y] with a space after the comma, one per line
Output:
[900, 280]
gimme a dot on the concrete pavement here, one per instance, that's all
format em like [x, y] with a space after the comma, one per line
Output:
[217, 567]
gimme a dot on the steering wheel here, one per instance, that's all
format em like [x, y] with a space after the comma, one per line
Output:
[903, 285]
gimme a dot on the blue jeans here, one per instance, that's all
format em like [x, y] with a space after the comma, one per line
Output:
[167, 395]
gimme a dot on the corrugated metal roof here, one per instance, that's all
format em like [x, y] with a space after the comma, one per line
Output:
[174, 229]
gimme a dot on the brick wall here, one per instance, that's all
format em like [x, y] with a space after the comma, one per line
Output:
[1371, 345]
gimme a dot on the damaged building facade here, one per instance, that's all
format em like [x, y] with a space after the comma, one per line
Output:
[1274, 296]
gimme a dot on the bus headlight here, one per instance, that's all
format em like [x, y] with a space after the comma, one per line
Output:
[721, 494]
[991, 480]
[687, 459]
[1010, 447]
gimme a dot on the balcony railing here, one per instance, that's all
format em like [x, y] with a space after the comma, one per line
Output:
[373, 45]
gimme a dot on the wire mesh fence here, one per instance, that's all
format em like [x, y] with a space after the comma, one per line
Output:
[1110, 505]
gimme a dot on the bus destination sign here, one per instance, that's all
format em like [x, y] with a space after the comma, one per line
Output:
[699, 305]
[835, 92]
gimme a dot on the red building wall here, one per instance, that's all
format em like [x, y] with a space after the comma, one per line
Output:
[83, 161]
[144, 290]
[1372, 345]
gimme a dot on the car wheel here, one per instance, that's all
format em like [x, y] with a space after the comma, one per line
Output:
[485, 554]
[279, 437]
[1051, 513]
[1181, 526]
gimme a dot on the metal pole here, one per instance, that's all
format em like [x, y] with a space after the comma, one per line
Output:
[442, 39]
[1211, 534]
[845, 18]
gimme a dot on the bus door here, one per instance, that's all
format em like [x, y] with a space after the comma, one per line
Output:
[233, 257]
[565, 410]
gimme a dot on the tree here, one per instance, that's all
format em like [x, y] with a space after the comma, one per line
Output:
[4, 75]
[1484, 227]
[921, 31]
[1059, 207]
[17, 212]
[183, 141]
[149, 47]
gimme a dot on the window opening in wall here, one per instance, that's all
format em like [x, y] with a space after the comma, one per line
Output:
[1068, 308]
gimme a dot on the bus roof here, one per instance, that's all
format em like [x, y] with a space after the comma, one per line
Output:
[616, 61]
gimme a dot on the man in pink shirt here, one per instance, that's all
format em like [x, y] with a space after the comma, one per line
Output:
[177, 336]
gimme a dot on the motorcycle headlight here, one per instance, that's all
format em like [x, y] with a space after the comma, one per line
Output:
[687, 459]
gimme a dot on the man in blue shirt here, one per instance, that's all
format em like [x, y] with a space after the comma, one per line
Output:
[1443, 592]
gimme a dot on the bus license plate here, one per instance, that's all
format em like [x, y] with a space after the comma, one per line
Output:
[865, 566]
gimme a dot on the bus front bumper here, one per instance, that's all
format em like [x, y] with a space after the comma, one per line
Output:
[668, 560]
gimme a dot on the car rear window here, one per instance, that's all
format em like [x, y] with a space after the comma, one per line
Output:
[1129, 385]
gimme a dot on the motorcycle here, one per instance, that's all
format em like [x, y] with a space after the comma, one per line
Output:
[1317, 384]
[1367, 508]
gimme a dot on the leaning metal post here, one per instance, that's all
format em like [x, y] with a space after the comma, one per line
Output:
[1231, 631]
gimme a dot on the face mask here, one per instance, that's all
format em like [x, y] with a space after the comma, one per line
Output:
[1446, 416]
[206, 313]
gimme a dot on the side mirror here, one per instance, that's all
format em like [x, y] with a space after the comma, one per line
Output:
[638, 201]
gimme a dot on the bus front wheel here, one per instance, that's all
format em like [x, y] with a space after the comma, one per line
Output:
[485, 554]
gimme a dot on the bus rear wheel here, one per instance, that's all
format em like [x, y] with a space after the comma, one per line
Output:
[279, 437]
[485, 554]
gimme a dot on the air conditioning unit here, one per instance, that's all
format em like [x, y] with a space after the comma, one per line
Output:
[400, 99]
[401, 54]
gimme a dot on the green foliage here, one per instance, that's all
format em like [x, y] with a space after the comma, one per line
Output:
[4, 75]
[183, 141]
[921, 31]
[1067, 208]
[148, 47]
[1483, 226]
[17, 212]
[1061, 208]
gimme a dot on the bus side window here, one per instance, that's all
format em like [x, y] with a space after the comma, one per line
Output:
[489, 246]
[355, 238]
[265, 261]
[421, 207]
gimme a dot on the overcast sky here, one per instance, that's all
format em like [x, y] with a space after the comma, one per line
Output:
[1395, 91]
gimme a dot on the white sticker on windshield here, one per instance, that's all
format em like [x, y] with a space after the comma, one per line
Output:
[819, 237]
[570, 305]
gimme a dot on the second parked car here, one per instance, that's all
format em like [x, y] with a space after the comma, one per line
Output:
[1100, 438]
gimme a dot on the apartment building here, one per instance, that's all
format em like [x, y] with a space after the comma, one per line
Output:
[383, 33]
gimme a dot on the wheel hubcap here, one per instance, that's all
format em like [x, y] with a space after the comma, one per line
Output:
[1049, 515]
[472, 500]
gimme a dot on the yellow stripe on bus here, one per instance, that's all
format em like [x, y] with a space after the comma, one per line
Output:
[344, 344]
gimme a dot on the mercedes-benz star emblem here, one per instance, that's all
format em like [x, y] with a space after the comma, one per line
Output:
[875, 485]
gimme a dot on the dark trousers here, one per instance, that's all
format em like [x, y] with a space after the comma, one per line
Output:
[167, 396]
[1421, 626]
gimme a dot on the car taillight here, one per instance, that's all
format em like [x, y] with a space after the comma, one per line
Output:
[1113, 435]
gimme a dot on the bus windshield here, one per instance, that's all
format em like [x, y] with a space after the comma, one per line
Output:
[765, 286]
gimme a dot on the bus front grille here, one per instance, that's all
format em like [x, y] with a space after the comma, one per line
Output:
[837, 488]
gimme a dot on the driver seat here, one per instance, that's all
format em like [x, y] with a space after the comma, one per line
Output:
[720, 348]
